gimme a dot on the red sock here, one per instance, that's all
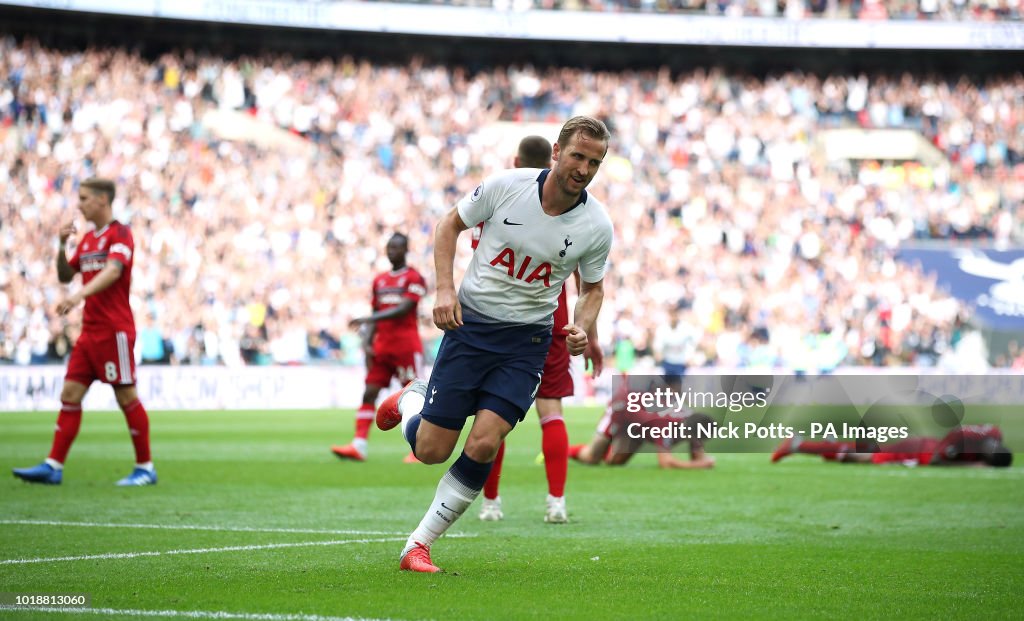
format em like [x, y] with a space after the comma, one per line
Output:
[828, 450]
[68, 421]
[138, 426]
[556, 454]
[364, 418]
[491, 485]
[574, 451]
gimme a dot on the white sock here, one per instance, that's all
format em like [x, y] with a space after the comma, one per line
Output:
[56, 465]
[409, 405]
[361, 445]
[451, 501]
[148, 466]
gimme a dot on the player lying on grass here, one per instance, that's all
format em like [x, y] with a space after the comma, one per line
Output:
[621, 434]
[970, 445]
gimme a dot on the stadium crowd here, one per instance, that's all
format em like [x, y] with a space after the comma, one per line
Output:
[259, 251]
[959, 10]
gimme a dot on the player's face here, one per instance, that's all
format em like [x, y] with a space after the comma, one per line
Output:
[91, 204]
[577, 163]
[396, 250]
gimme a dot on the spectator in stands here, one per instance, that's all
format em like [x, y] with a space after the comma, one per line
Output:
[725, 203]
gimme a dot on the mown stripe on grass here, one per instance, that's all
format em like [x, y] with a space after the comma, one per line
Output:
[123, 555]
[192, 614]
[233, 529]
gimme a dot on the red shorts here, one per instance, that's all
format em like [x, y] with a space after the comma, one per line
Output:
[385, 365]
[107, 357]
[557, 380]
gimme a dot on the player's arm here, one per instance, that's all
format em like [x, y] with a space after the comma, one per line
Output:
[107, 276]
[594, 452]
[698, 461]
[656, 346]
[400, 310]
[593, 357]
[588, 305]
[447, 311]
[65, 271]
[368, 331]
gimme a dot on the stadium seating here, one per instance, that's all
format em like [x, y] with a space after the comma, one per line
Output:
[724, 201]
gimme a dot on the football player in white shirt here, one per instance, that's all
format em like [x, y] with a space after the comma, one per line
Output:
[541, 226]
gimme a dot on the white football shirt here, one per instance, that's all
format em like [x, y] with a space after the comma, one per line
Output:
[525, 255]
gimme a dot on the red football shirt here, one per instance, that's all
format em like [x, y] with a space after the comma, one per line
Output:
[389, 289]
[561, 316]
[620, 418]
[109, 309]
[966, 443]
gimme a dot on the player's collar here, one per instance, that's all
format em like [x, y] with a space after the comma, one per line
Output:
[98, 232]
[540, 191]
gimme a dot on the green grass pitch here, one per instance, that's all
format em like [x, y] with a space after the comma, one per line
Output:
[799, 539]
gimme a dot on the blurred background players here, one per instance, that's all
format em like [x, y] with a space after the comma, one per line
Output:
[104, 349]
[535, 152]
[612, 442]
[675, 343]
[391, 339]
[974, 445]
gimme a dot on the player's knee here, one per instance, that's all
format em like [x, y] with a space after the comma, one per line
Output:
[370, 394]
[432, 454]
[126, 396]
[72, 393]
[482, 450]
[617, 459]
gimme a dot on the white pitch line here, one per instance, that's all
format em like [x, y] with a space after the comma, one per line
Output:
[233, 529]
[268, 546]
[228, 529]
[189, 614]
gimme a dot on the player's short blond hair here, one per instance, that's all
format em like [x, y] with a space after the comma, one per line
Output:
[102, 186]
[589, 126]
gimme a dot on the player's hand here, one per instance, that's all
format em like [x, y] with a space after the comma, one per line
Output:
[68, 303]
[576, 339]
[358, 321]
[67, 230]
[447, 310]
[593, 358]
[704, 463]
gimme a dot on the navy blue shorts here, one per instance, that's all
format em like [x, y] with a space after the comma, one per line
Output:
[486, 366]
[676, 371]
